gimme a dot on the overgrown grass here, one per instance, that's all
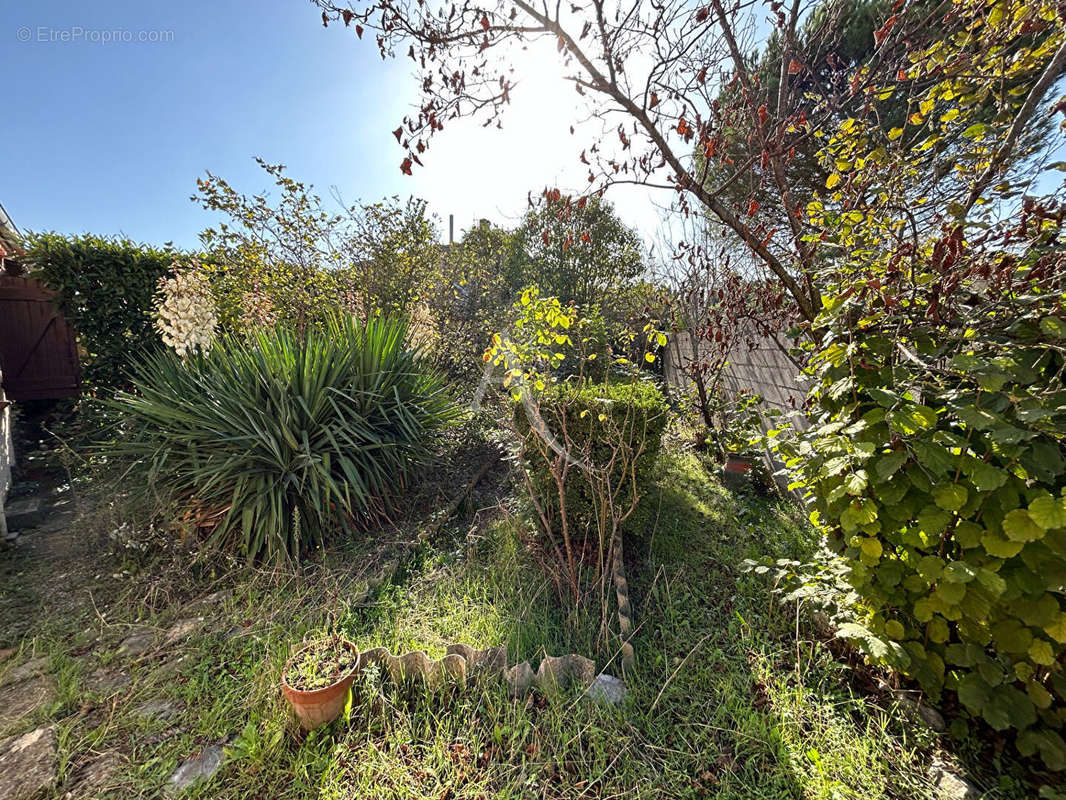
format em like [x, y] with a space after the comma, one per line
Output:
[731, 696]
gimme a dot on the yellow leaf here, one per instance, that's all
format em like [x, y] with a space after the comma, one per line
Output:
[1057, 629]
[649, 357]
[895, 133]
[832, 180]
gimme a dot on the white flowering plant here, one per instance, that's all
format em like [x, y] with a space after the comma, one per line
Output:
[185, 311]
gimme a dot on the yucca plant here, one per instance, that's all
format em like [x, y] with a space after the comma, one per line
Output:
[275, 441]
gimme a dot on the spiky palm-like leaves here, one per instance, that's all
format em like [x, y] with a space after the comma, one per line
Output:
[277, 440]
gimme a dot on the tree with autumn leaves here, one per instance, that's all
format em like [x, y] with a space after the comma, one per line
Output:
[922, 255]
[677, 85]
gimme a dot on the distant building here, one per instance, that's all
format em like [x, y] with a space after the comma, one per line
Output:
[11, 251]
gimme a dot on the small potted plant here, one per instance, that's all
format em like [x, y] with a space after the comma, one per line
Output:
[738, 463]
[317, 678]
[738, 439]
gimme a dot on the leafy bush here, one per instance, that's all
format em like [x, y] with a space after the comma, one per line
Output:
[290, 259]
[937, 463]
[279, 439]
[105, 288]
[616, 426]
[937, 466]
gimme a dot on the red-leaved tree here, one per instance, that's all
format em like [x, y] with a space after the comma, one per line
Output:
[670, 86]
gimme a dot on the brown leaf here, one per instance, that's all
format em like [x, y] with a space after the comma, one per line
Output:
[882, 32]
[794, 67]
[325, 20]
[405, 167]
[485, 21]
[398, 133]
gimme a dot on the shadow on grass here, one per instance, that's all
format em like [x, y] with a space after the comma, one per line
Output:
[727, 700]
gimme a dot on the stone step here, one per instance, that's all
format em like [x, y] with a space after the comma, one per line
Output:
[23, 514]
[20, 489]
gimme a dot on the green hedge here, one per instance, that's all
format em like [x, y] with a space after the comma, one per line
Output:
[635, 409]
[104, 287]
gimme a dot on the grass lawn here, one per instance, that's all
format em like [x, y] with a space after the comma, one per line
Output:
[733, 695]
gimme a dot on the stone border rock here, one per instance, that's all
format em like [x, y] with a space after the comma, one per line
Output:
[625, 611]
[464, 664]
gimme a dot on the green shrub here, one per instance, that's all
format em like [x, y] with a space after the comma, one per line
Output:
[276, 440]
[593, 418]
[937, 466]
[104, 287]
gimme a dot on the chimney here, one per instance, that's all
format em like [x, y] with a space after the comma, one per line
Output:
[451, 229]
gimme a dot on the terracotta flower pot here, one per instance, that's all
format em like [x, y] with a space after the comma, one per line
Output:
[320, 706]
[737, 463]
[736, 471]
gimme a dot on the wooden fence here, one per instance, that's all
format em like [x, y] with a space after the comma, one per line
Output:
[38, 355]
[759, 365]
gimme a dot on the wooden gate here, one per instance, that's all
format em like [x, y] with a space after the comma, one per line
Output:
[38, 355]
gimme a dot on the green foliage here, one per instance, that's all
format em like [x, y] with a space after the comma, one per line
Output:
[394, 255]
[615, 426]
[574, 251]
[937, 464]
[740, 431]
[836, 40]
[274, 260]
[470, 302]
[321, 663]
[537, 344]
[945, 490]
[278, 441]
[105, 288]
[549, 341]
[288, 259]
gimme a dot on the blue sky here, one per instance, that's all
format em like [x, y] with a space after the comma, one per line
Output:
[109, 137]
